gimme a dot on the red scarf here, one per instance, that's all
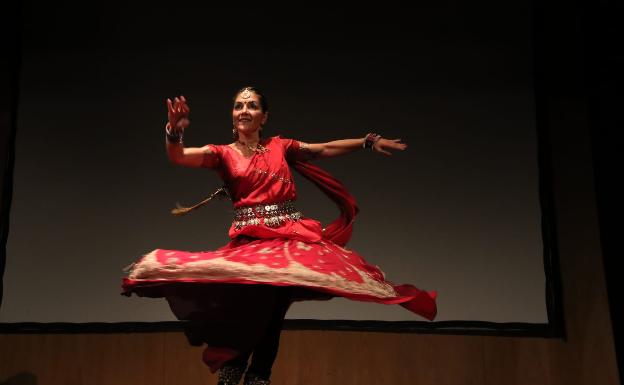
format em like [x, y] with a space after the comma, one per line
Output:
[339, 231]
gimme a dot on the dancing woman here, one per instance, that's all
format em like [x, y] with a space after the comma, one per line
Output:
[234, 299]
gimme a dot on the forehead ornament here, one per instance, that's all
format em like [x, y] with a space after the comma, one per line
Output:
[246, 94]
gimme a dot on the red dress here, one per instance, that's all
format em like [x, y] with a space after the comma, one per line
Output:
[295, 253]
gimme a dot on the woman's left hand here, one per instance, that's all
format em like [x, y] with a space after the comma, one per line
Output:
[384, 146]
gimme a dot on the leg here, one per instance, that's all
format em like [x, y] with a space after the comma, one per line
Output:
[271, 305]
[233, 370]
[229, 319]
[265, 352]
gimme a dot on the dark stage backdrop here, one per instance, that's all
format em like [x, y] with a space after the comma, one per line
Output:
[457, 212]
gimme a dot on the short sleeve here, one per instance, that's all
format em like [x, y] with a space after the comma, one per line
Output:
[212, 160]
[292, 148]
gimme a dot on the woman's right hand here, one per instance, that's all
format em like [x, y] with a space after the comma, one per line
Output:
[178, 112]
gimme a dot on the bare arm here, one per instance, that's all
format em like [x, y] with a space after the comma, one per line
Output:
[187, 156]
[178, 112]
[345, 146]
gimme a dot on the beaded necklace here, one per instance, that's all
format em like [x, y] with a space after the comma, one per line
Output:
[259, 148]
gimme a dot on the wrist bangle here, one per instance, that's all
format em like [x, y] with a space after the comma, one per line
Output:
[173, 137]
[370, 140]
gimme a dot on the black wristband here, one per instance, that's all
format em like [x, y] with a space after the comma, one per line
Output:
[370, 140]
[173, 137]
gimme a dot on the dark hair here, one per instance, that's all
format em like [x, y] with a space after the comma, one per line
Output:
[264, 104]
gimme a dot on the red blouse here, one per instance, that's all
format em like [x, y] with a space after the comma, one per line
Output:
[263, 178]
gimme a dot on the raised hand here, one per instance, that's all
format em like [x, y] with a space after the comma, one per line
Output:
[178, 112]
[384, 146]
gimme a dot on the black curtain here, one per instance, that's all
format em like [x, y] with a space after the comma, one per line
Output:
[10, 33]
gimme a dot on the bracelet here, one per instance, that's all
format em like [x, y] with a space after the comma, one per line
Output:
[370, 140]
[173, 137]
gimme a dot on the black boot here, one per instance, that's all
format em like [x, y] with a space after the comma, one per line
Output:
[254, 379]
[231, 375]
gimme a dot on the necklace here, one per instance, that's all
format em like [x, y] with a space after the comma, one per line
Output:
[259, 148]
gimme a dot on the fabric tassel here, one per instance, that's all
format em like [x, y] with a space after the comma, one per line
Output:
[221, 192]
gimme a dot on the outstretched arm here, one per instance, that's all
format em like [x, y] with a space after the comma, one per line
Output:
[345, 146]
[187, 156]
[178, 113]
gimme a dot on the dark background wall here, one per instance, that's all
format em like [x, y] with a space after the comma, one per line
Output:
[458, 212]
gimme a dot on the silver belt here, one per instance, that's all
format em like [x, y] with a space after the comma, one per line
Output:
[272, 215]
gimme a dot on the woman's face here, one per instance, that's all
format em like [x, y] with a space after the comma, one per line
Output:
[247, 115]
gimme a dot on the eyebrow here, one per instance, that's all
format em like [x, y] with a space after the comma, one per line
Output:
[247, 102]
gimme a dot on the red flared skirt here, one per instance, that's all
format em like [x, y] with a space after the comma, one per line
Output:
[324, 268]
[229, 293]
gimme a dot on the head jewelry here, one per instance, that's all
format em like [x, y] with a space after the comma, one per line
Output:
[246, 94]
